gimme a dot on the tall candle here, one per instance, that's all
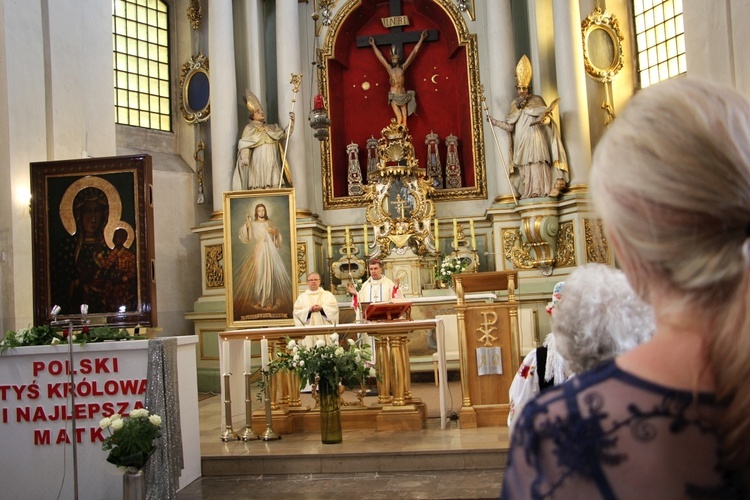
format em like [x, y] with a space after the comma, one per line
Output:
[348, 250]
[246, 354]
[225, 356]
[264, 354]
[473, 236]
[455, 234]
[437, 232]
[330, 243]
[364, 228]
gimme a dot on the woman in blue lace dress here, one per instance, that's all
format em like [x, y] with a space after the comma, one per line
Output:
[671, 417]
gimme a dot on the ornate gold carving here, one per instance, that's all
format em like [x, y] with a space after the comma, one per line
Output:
[487, 326]
[348, 267]
[214, 266]
[195, 14]
[302, 262]
[466, 39]
[516, 252]
[324, 9]
[541, 232]
[602, 45]
[400, 210]
[199, 157]
[566, 246]
[597, 248]
[468, 7]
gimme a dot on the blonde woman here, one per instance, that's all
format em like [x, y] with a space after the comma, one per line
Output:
[671, 417]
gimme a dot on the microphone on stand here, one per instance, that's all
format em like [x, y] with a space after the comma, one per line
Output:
[84, 313]
[68, 323]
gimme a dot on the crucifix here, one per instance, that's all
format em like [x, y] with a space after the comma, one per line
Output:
[397, 37]
[400, 203]
[402, 101]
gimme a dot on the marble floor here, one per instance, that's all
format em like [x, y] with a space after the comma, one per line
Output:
[429, 463]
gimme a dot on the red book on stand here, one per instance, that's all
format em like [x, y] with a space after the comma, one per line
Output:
[387, 311]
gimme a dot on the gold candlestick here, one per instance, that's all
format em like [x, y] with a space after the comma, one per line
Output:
[228, 433]
[269, 434]
[247, 434]
[331, 286]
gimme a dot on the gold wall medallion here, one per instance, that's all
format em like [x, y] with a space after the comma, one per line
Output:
[195, 90]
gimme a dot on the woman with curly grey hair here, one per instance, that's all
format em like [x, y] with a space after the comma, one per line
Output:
[671, 417]
[598, 317]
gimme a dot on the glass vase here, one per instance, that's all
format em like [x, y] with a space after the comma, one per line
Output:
[330, 413]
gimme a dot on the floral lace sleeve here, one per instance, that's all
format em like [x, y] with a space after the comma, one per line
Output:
[609, 434]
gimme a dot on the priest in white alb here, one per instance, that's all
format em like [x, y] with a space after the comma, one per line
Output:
[377, 288]
[315, 306]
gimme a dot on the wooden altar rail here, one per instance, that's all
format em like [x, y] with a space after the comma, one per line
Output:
[391, 358]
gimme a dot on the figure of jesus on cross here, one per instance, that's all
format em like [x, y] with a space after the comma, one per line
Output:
[402, 101]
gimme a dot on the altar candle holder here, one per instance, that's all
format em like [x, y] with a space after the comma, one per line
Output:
[229, 433]
[269, 433]
[247, 433]
[476, 261]
[331, 286]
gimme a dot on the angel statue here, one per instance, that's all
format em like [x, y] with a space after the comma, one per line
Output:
[260, 151]
[539, 165]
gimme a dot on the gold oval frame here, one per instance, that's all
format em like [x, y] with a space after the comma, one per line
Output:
[196, 65]
[596, 24]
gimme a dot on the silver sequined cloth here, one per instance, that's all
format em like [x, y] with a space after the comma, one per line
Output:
[165, 466]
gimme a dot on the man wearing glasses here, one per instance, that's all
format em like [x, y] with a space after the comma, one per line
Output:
[315, 306]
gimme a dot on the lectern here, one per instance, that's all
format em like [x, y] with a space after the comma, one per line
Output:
[485, 327]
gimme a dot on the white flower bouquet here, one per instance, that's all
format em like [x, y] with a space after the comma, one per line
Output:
[448, 267]
[131, 440]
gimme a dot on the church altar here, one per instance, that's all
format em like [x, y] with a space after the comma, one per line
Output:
[36, 429]
[392, 365]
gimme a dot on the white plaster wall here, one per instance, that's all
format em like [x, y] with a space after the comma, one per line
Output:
[23, 125]
[178, 275]
[716, 40]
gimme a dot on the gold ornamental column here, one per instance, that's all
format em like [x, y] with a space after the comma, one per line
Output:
[397, 363]
[383, 363]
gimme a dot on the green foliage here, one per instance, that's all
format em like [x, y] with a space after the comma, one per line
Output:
[349, 364]
[46, 335]
[131, 440]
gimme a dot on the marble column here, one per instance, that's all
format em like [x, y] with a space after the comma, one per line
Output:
[223, 98]
[289, 62]
[571, 87]
[501, 88]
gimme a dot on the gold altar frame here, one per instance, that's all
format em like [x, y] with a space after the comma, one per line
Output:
[239, 208]
[466, 39]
